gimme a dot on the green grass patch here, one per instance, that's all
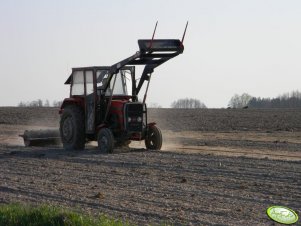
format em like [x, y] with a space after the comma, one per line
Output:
[45, 215]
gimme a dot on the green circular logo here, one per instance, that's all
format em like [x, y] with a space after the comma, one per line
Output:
[282, 214]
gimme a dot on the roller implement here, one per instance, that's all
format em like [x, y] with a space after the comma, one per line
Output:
[103, 105]
[41, 137]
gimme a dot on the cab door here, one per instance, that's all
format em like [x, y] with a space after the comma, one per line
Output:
[89, 102]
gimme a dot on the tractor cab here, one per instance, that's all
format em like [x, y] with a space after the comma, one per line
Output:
[92, 90]
[88, 80]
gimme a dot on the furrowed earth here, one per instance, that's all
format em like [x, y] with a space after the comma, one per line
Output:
[217, 167]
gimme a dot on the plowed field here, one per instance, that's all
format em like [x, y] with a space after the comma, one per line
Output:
[217, 167]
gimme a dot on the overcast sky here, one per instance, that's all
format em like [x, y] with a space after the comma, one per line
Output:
[231, 46]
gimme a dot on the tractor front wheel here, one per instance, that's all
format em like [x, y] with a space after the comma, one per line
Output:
[153, 139]
[72, 128]
[105, 140]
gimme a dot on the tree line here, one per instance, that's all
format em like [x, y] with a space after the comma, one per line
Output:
[286, 100]
[188, 103]
[180, 103]
[245, 100]
[39, 103]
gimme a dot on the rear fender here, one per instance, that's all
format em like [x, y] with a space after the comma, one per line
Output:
[71, 101]
[99, 127]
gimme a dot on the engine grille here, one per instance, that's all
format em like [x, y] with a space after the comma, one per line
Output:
[133, 111]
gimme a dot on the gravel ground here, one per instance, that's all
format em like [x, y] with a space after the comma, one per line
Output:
[222, 176]
[152, 187]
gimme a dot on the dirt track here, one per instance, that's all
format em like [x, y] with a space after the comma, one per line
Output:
[223, 176]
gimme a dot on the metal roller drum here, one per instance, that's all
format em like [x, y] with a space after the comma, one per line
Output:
[41, 137]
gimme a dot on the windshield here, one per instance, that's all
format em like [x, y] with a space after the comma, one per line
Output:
[123, 81]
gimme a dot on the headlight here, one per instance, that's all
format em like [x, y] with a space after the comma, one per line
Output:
[139, 119]
[129, 119]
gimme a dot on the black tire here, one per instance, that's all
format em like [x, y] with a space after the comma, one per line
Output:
[153, 139]
[105, 140]
[72, 128]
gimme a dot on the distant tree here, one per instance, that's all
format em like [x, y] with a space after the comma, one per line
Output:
[188, 103]
[22, 104]
[34, 103]
[239, 101]
[40, 103]
[57, 103]
[47, 103]
[154, 105]
[296, 94]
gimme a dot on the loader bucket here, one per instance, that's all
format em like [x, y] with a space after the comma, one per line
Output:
[41, 137]
[158, 45]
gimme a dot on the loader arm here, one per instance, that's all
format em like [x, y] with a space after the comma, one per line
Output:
[152, 53]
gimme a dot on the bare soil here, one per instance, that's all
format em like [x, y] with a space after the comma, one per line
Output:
[217, 167]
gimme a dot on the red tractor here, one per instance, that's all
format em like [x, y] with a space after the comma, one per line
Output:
[102, 108]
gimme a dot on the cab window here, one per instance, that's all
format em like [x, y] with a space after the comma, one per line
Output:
[78, 83]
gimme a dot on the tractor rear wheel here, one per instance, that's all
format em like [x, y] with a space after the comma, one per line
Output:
[105, 140]
[153, 138]
[72, 128]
